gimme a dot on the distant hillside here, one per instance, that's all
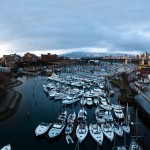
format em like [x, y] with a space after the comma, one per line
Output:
[88, 54]
[76, 54]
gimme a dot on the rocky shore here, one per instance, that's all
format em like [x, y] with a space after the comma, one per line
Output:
[10, 102]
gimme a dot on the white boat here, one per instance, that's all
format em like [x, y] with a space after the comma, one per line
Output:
[106, 107]
[81, 131]
[56, 129]
[70, 101]
[45, 88]
[53, 77]
[115, 106]
[71, 118]
[82, 114]
[108, 116]
[88, 94]
[83, 101]
[52, 94]
[96, 133]
[117, 129]
[103, 94]
[107, 130]
[7, 147]
[67, 99]
[59, 96]
[118, 112]
[121, 148]
[69, 128]
[69, 139]
[134, 146]
[100, 115]
[42, 128]
[103, 100]
[89, 101]
[96, 100]
[125, 127]
[63, 116]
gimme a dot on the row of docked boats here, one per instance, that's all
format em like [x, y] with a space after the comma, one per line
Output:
[97, 132]
[103, 118]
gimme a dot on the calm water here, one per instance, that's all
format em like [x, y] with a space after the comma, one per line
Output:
[19, 129]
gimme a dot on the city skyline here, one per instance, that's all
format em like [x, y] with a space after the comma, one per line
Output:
[63, 27]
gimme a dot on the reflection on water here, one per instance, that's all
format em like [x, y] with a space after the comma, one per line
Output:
[35, 107]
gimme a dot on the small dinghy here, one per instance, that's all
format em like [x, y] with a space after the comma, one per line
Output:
[69, 139]
[69, 128]
[7, 147]
[42, 128]
[134, 146]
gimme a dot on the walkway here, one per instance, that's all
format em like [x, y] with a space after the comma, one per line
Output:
[10, 96]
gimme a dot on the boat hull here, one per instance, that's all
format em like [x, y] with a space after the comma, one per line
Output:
[96, 134]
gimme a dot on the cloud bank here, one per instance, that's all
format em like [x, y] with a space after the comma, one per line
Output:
[64, 26]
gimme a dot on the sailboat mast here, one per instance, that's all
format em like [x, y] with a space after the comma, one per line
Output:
[127, 120]
[136, 124]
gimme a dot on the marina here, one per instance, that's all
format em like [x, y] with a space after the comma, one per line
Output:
[67, 111]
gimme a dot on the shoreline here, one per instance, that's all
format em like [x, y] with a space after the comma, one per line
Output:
[11, 101]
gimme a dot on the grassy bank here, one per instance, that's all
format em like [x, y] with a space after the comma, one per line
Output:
[116, 83]
[126, 96]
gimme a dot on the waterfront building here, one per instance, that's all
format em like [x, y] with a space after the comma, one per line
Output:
[28, 57]
[48, 58]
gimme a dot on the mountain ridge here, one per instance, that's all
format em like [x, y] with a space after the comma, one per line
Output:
[89, 54]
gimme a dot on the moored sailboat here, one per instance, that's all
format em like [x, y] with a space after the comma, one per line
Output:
[81, 131]
[7, 147]
[56, 129]
[96, 133]
[107, 130]
[117, 129]
[125, 125]
[42, 128]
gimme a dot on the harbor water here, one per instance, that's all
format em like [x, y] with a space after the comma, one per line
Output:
[35, 107]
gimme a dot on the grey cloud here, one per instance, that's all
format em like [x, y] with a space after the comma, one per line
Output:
[63, 24]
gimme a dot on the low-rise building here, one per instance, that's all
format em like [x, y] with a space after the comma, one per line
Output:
[48, 58]
[28, 57]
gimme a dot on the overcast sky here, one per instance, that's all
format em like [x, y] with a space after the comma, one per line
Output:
[61, 26]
